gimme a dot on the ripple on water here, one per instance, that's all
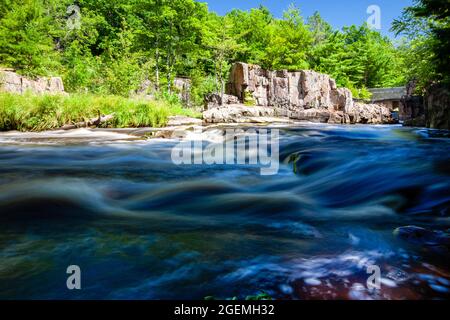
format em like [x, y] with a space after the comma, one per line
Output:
[144, 228]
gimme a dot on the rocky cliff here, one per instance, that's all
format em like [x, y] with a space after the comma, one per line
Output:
[437, 107]
[15, 83]
[302, 95]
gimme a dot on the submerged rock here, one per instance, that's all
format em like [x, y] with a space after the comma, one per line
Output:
[422, 236]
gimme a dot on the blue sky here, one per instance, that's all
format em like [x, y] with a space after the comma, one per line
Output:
[337, 12]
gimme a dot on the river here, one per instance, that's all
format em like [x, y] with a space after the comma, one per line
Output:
[141, 227]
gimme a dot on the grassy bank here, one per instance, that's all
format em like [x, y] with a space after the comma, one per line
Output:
[30, 112]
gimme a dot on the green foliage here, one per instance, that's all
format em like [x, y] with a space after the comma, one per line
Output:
[359, 57]
[288, 43]
[223, 48]
[252, 32]
[27, 32]
[201, 86]
[426, 25]
[320, 30]
[360, 93]
[249, 100]
[418, 61]
[122, 43]
[44, 112]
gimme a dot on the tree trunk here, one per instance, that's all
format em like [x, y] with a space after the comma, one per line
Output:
[216, 78]
[222, 82]
[157, 64]
[169, 75]
[169, 61]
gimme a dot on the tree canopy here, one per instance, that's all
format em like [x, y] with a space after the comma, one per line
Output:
[426, 25]
[118, 45]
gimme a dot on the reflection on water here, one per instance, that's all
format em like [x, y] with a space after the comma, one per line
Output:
[142, 228]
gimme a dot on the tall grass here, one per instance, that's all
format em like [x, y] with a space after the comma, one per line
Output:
[30, 112]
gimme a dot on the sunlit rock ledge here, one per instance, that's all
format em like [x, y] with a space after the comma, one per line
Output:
[305, 95]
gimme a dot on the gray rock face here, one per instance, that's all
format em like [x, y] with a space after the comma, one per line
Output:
[182, 87]
[215, 100]
[301, 95]
[437, 106]
[14, 83]
[290, 90]
[369, 114]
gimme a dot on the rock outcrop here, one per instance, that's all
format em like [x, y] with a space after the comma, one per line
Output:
[437, 107]
[301, 95]
[287, 90]
[182, 88]
[15, 83]
[215, 100]
[369, 114]
[175, 121]
[237, 113]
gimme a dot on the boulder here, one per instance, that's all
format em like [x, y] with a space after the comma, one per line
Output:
[212, 100]
[175, 121]
[236, 113]
[10, 82]
[215, 100]
[370, 114]
[422, 236]
[15, 83]
[313, 115]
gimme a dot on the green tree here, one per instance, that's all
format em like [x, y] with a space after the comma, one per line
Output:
[223, 46]
[289, 42]
[427, 26]
[28, 30]
[359, 57]
[121, 43]
[321, 30]
[252, 32]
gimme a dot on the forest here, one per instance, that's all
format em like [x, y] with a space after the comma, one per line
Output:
[112, 47]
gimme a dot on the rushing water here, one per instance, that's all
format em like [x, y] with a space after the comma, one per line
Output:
[141, 227]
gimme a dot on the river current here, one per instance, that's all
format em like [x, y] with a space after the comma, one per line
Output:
[140, 227]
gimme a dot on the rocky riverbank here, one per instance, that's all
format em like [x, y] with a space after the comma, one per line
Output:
[306, 95]
[437, 107]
